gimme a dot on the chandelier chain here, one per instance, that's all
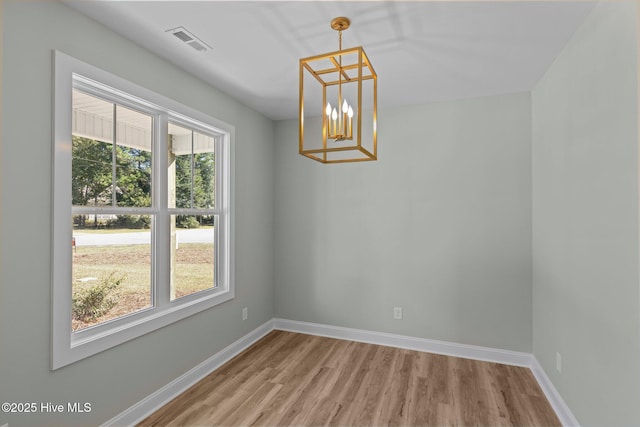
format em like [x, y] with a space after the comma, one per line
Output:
[340, 71]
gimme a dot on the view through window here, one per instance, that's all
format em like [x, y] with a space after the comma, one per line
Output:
[113, 223]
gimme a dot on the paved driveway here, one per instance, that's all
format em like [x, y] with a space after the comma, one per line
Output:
[197, 235]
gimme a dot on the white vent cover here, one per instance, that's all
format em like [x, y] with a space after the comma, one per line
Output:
[187, 37]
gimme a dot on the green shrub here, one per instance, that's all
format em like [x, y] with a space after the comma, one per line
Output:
[96, 301]
[185, 221]
[133, 221]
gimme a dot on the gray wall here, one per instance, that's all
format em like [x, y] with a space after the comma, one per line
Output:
[119, 377]
[585, 219]
[440, 225]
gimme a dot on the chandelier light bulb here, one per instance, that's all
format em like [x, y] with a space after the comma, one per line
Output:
[334, 114]
[328, 109]
[350, 112]
[345, 106]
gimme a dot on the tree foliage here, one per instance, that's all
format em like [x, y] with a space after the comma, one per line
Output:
[203, 180]
[91, 171]
[202, 190]
[133, 177]
[93, 180]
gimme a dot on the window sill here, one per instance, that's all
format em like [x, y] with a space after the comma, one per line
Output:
[102, 337]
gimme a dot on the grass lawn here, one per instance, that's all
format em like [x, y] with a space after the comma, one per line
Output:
[193, 273]
[107, 230]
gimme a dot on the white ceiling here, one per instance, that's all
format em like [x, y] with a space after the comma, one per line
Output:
[422, 51]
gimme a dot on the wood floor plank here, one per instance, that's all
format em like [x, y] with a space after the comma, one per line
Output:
[288, 379]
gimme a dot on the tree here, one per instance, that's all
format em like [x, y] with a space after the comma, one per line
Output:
[204, 182]
[133, 177]
[91, 172]
[183, 181]
[201, 187]
[93, 180]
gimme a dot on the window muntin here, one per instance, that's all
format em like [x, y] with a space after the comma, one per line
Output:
[139, 194]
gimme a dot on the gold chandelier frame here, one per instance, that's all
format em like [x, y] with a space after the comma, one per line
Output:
[347, 67]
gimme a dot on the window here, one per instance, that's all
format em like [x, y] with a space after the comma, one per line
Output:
[142, 211]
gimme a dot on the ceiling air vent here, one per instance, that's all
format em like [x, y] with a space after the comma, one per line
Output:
[197, 46]
[187, 37]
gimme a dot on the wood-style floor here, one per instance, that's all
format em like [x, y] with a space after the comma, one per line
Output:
[290, 379]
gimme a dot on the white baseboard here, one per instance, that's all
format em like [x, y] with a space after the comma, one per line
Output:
[557, 403]
[486, 354]
[156, 400]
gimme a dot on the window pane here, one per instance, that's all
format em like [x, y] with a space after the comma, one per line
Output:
[111, 272]
[133, 158]
[204, 171]
[99, 167]
[192, 254]
[191, 168]
[179, 167]
[92, 151]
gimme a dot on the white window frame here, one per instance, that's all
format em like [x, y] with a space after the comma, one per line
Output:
[68, 346]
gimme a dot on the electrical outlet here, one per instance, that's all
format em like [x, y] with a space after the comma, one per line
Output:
[245, 313]
[397, 312]
[559, 362]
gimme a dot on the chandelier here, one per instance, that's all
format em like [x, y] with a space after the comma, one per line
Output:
[344, 129]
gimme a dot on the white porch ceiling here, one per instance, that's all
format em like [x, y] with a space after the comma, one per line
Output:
[423, 51]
